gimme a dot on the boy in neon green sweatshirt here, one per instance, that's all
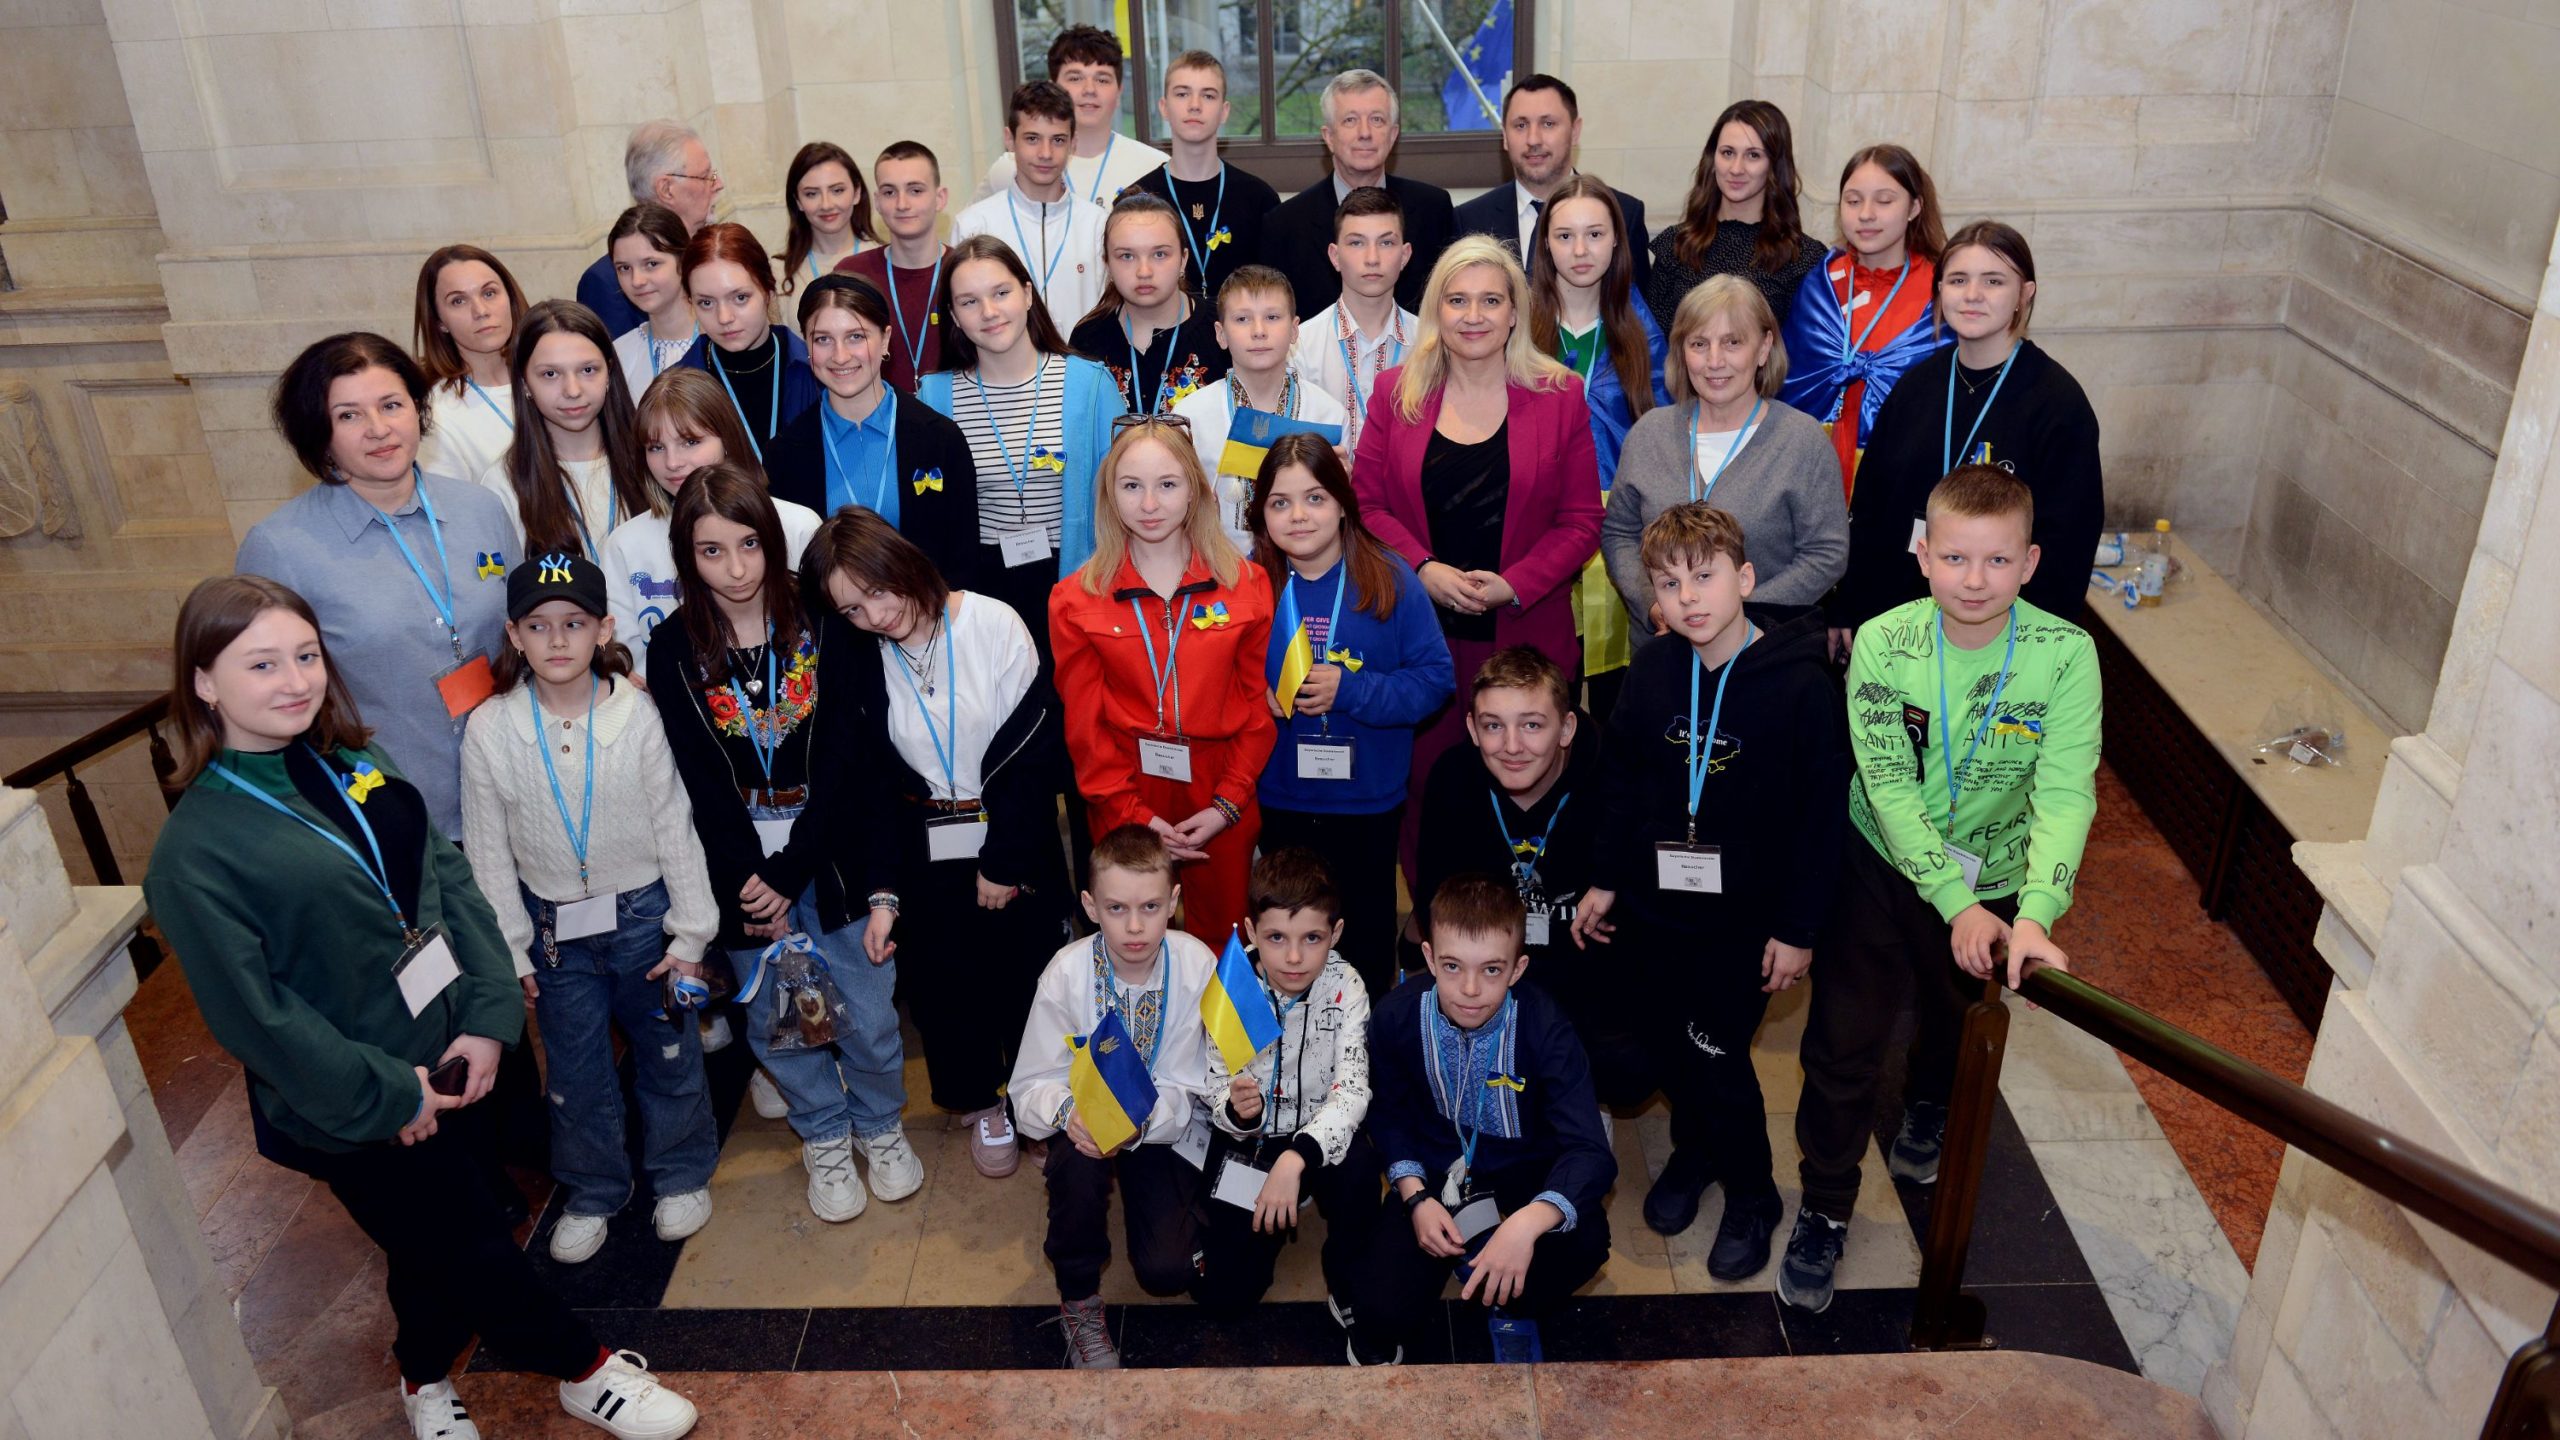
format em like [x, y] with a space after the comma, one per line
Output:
[1973, 717]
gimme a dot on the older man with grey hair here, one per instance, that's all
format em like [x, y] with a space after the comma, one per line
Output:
[664, 163]
[1361, 125]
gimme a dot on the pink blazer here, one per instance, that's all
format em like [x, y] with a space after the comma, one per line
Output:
[1550, 525]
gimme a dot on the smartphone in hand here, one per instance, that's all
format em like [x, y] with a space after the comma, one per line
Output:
[450, 1077]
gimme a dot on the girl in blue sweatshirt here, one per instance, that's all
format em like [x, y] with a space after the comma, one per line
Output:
[1375, 667]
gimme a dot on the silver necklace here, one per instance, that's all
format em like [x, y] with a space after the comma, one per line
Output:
[922, 669]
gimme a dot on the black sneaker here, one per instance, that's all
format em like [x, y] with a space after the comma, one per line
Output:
[1915, 1150]
[1742, 1237]
[1671, 1206]
[1813, 1252]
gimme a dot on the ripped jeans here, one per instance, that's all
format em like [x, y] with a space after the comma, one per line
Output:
[595, 986]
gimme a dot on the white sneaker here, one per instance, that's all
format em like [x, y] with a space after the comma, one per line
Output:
[715, 1034]
[896, 1172]
[622, 1398]
[678, 1216]
[766, 1096]
[436, 1413]
[577, 1238]
[835, 1192]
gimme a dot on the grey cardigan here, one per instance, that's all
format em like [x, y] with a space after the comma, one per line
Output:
[1784, 486]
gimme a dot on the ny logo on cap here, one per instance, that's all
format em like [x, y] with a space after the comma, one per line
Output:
[555, 569]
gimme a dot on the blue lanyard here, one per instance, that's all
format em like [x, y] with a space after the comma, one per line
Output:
[578, 513]
[494, 407]
[817, 274]
[766, 743]
[378, 872]
[1477, 1092]
[898, 311]
[1695, 493]
[948, 754]
[888, 460]
[1702, 755]
[587, 811]
[1536, 844]
[1166, 677]
[1164, 377]
[1198, 246]
[1030, 436]
[1049, 272]
[1849, 347]
[435, 530]
[1946, 739]
[773, 403]
[1103, 166]
[1947, 457]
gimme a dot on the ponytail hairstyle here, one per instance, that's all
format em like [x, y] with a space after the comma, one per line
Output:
[959, 352]
[736, 494]
[1781, 221]
[1133, 205]
[1620, 330]
[1364, 555]
[214, 614]
[1927, 237]
[534, 471]
[691, 403]
[437, 354]
[801, 237]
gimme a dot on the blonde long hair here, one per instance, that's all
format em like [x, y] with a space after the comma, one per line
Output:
[1199, 519]
[1523, 363]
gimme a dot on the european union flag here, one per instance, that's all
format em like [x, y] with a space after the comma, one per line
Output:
[1109, 1080]
[1472, 95]
[1237, 1010]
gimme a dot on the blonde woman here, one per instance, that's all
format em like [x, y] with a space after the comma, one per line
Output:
[1159, 640]
[1476, 464]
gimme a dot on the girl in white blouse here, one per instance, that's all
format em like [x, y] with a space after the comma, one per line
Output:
[958, 710]
[467, 308]
[582, 839]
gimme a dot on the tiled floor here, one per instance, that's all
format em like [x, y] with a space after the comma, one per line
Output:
[952, 1277]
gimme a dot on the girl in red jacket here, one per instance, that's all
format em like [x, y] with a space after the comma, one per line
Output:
[1159, 641]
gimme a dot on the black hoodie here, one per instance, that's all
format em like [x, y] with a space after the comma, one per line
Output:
[1460, 834]
[1775, 797]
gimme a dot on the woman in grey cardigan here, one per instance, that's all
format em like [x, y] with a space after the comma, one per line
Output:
[1727, 439]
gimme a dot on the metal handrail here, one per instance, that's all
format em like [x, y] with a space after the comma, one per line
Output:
[2500, 1220]
[64, 762]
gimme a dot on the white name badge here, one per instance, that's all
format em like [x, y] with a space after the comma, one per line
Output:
[578, 919]
[1476, 1217]
[1969, 863]
[955, 837]
[1165, 759]
[1920, 535]
[1239, 1184]
[774, 834]
[1193, 1147]
[1324, 759]
[424, 970]
[1538, 922]
[1689, 869]
[1023, 547]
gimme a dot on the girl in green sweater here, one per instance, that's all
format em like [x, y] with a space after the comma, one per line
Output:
[338, 948]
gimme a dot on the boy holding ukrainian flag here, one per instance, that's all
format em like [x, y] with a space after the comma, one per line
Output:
[1114, 1060]
[1263, 399]
[1288, 1088]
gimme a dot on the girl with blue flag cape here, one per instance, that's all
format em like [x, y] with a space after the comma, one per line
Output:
[1864, 315]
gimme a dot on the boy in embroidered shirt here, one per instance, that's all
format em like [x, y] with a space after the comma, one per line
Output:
[1293, 1115]
[1342, 348]
[1151, 975]
[1483, 1110]
[1973, 719]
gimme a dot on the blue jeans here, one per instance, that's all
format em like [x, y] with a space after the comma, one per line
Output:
[595, 985]
[858, 1084]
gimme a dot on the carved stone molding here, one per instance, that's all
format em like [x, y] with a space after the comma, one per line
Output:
[34, 498]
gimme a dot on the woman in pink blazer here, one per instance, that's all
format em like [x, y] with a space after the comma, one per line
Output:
[1476, 464]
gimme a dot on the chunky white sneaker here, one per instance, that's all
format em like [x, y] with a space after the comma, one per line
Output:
[835, 1192]
[678, 1216]
[766, 1096]
[622, 1398]
[577, 1238]
[436, 1413]
[896, 1173]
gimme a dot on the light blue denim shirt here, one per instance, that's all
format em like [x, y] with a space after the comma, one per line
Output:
[385, 635]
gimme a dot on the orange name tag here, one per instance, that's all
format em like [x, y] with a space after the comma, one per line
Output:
[466, 685]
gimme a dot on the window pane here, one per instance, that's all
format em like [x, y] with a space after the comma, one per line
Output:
[1314, 40]
[1228, 29]
[1037, 22]
[1447, 44]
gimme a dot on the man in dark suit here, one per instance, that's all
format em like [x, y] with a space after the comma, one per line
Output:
[1360, 130]
[1541, 125]
[666, 163]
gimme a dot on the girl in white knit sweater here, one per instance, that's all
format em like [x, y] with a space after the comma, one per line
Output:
[582, 838]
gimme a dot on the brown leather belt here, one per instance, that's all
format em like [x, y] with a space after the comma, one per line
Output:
[950, 807]
[774, 799]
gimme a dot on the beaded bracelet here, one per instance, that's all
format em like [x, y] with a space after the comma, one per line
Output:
[885, 900]
[1227, 808]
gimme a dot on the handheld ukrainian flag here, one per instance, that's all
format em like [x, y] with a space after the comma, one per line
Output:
[1249, 437]
[1297, 657]
[1109, 1080]
[1237, 1010]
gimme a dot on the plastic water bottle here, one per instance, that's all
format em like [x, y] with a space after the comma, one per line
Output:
[2155, 564]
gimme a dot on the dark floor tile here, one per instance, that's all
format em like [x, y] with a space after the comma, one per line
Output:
[2019, 1234]
[1858, 1322]
[2070, 1320]
[1169, 1336]
[631, 1270]
[940, 1337]
[1635, 1327]
[691, 1339]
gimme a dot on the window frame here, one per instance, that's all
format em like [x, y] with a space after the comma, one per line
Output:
[1453, 161]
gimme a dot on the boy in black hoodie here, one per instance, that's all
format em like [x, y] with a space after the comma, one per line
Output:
[1716, 859]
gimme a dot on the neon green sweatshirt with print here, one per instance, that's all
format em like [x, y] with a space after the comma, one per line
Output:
[2024, 795]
